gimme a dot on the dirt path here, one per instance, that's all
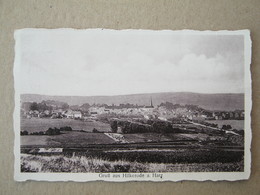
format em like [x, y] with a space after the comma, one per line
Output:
[119, 138]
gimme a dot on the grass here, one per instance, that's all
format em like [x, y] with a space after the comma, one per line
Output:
[83, 164]
[235, 124]
[66, 140]
[42, 124]
[147, 137]
[173, 156]
[102, 159]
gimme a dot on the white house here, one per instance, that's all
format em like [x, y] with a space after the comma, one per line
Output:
[77, 114]
[73, 114]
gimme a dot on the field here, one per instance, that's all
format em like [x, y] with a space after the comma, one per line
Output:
[66, 139]
[84, 151]
[235, 124]
[96, 152]
[83, 139]
[42, 124]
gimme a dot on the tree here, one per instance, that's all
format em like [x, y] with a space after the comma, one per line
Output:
[34, 106]
[54, 131]
[113, 125]
[65, 106]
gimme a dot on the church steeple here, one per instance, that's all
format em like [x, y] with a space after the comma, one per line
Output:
[151, 102]
[151, 106]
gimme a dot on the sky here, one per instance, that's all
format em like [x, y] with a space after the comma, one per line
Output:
[110, 62]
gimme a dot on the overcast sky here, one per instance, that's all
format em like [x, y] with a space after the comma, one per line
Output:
[108, 62]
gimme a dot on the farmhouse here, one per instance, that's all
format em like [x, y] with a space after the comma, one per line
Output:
[73, 114]
[69, 114]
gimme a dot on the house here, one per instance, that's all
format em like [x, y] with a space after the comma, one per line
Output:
[77, 114]
[231, 115]
[34, 113]
[68, 113]
[47, 112]
[237, 116]
[73, 114]
[217, 115]
[242, 115]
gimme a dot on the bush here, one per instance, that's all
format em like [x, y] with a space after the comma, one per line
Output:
[34, 133]
[95, 130]
[24, 133]
[52, 131]
[226, 127]
[67, 128]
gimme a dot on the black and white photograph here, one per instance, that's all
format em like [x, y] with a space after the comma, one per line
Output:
[132, 105]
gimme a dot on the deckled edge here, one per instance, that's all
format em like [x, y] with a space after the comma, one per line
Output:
[16, 114]
[83, 177]
[248, 102]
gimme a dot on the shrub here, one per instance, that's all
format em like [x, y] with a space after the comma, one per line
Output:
[95, 130]
[34, 133]
[67, 128]
[52, 131]
[226, 127]
[24, 133]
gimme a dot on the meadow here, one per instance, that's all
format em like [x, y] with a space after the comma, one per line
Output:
[235, 124]
[66, 139]
[42, 124]
[85, 151]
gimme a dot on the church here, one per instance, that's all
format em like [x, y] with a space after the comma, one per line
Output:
[148, 109]
[151, 105]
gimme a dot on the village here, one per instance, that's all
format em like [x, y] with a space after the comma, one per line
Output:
[164, 111]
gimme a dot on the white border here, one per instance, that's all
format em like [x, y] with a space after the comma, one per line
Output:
[82, 177]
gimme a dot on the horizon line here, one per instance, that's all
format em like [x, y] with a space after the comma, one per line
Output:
[131, 94]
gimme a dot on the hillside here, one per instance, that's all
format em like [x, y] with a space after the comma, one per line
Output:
[207, 101]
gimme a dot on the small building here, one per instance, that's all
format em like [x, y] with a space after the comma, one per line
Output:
[77, 114]
[73, 114]
[69, 114]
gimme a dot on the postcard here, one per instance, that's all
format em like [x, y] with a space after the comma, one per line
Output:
[132, 105]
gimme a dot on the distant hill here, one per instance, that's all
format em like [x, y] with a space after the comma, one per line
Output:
[208, 101]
